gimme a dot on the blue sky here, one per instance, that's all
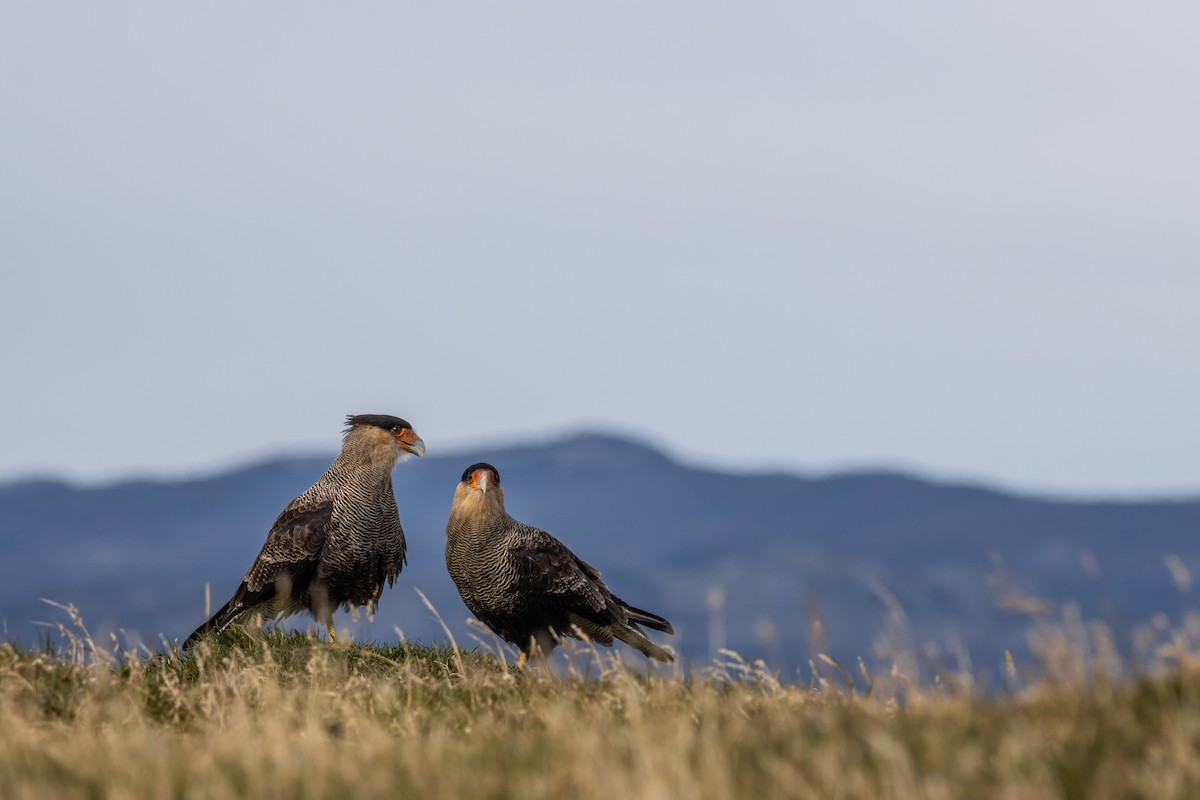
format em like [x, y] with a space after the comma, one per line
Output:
[958, 238]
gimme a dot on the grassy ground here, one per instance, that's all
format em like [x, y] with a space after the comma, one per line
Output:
[284, 716]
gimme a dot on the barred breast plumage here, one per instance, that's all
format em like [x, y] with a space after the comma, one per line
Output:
[336, 545]
[526, 585]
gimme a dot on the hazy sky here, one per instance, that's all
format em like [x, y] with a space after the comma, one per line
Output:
[958, 237]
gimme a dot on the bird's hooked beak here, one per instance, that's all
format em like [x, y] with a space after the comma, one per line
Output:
[407, 439]
[481, 479]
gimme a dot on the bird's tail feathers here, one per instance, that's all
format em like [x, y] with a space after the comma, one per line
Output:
[242, 601]
[638, 640]
[218, 622]
[646, 618]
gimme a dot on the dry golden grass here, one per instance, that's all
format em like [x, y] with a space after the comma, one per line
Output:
[284, 716]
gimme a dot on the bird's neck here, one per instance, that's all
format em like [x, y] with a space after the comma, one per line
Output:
[369, 455]
[477, 517]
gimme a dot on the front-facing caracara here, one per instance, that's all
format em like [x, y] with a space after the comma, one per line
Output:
[526, 585]
[338, 543]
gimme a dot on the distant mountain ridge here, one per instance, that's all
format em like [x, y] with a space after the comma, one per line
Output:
[736, 560]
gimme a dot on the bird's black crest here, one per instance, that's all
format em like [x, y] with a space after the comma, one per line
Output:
[385, 421]
[481, 465]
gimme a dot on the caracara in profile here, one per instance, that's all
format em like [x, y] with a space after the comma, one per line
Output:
[338, 543]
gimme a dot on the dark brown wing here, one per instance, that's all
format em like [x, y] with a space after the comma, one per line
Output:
[561, 581]
[293, 545]
[285, 566]
[564, 584]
